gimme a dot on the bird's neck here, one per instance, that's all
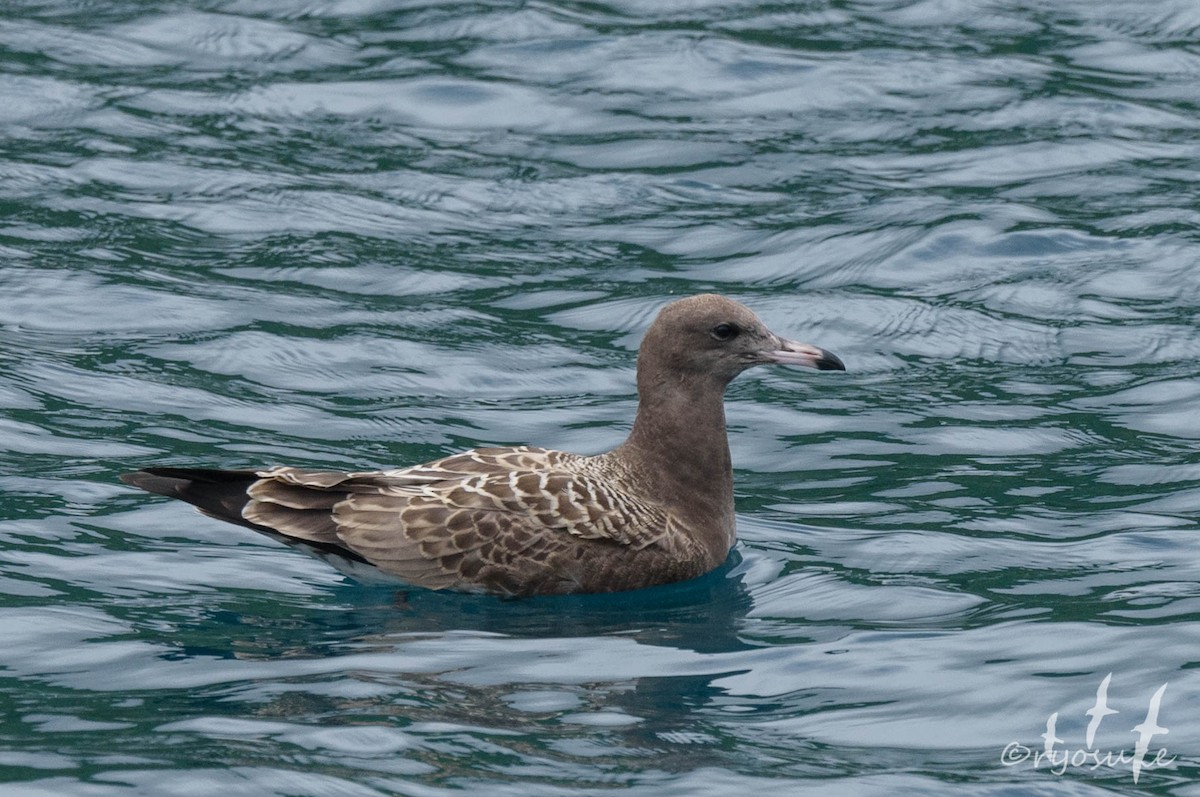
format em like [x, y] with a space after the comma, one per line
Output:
[679, 438]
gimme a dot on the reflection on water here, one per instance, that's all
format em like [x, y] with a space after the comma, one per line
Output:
[359, 235]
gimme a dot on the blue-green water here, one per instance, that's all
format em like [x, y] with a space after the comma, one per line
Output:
[357, 234]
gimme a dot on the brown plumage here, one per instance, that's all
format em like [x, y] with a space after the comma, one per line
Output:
[522, 521]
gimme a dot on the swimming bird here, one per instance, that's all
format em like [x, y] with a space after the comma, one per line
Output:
[522, 521]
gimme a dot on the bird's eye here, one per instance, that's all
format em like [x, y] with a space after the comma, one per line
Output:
[724, 332]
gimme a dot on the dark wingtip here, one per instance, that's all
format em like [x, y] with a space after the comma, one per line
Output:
[219, 493]
[178, 482]
[151, 482]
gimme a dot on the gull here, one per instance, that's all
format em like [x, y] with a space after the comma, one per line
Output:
[522, 520]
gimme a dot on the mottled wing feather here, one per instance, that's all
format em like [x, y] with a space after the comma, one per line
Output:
[485, 518]
[301, 512]
[303, 524]
[426, 542]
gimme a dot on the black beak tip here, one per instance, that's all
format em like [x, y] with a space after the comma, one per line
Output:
[830, 362]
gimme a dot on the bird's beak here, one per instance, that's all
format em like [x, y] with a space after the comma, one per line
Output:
[789, 352]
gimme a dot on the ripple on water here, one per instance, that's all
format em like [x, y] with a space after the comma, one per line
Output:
[45, 102]
[217, 42]
[358, 234]
[824, 597]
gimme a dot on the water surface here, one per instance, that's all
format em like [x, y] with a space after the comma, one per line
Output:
[359, 234]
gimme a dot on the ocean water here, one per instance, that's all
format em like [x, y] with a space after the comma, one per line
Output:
[369, 233]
